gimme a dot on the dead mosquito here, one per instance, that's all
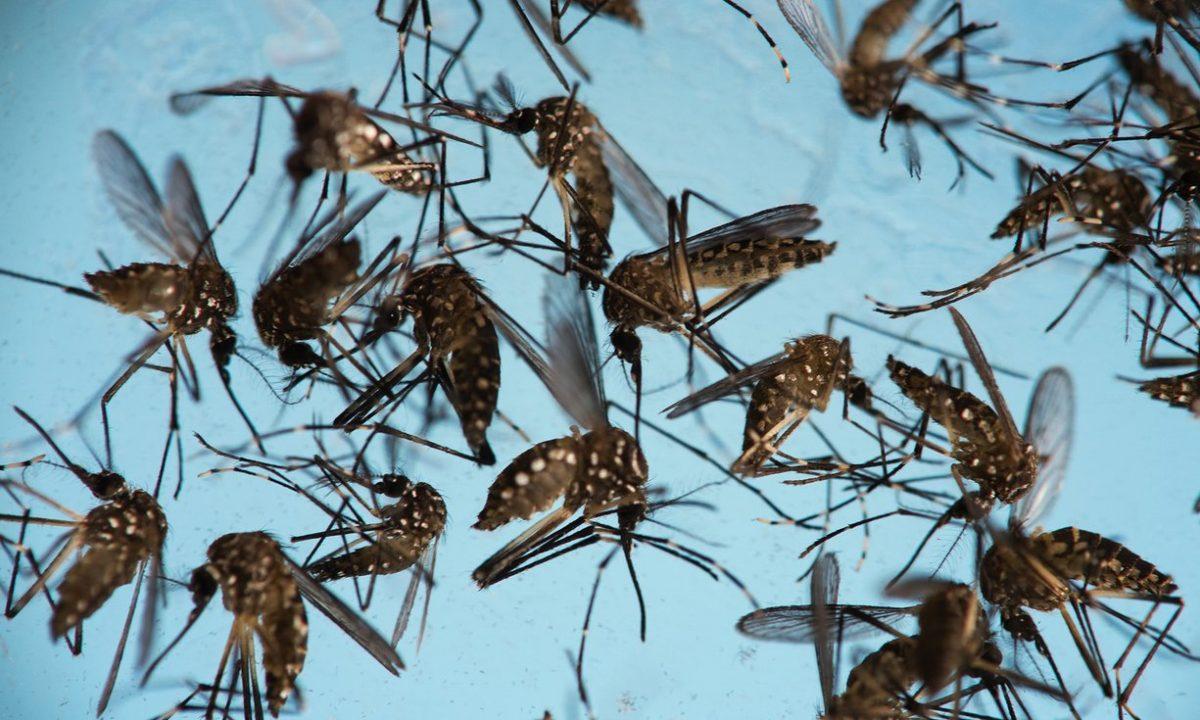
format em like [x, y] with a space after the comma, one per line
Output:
[454, 324]
[787, 386]
[115, 543]
[953, 641]
[265, 591]
[192, 292]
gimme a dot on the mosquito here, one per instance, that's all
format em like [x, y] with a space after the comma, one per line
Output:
[658, 289]
[265, 590]
[787, 386]
[116, 543]
[192, 292]
[597, 469]
[376, 539]
[335, 134]
[455, 325]
[953, 641]
[586, 167]
[315, 284]
[623, 11]
[871, 83]
[1035, 570]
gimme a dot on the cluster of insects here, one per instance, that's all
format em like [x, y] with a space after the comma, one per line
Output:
[401, 352]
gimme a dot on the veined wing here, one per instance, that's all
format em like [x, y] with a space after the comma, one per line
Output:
[1050, 427]
[728, 385]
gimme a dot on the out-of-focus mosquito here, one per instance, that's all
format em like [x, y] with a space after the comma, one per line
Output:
[192, 292]
[1180, 15]
[265, 591]
[1028, 569]
[455, 324]
[314, 285]
[787, 386]
[116, 542]
[953, 641]
[624, 11]
[871, 83]
[394, 528]
[335, 134]
[586, 167]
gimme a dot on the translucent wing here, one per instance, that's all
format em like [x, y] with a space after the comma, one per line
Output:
[636, 191]
[984, 370]
[777, 222]
[335, 230]
[806, 20]
[799, 623]
[823, 592]
[346, 619]
[727, 385]
[131, 191]
[188, 102]
[185, 216]
[530, 350]
[574, 358]
[1049, 426]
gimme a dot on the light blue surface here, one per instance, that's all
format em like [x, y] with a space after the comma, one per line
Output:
[701, 104]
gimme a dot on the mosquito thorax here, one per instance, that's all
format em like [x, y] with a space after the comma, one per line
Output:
[521, 121]
[626, 344]
[868, 90]
[392, 485]
[203, 584]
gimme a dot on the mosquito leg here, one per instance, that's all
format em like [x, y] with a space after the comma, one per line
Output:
[583, 634]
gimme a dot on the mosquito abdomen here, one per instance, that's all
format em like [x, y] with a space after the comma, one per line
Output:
[1102, 563]
[119, 536]
[283, 631]
[142, 288]
[531, 483]
[742, 262]
[877, 30]
[1182, 391]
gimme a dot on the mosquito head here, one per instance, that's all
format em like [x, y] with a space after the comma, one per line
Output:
[106, 484]
[627, 345]
[203, 584]
[521, 121]
[1187, 187]
[389, 315]
[222, 342]
[391, 485]
[298, 169]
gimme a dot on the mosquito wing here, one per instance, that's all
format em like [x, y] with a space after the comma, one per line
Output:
[636, 191]
[131, 191]
[800, 624]
[188, 102]
[1049, 426]
[823, 592]
[574, 358]
[190, 236]
[806, 20]
[777, 222]
[984, 370]
[334, 232]
[727, 385]
[346, 619]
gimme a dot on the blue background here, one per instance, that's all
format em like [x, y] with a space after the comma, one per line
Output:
[700, 102]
